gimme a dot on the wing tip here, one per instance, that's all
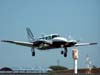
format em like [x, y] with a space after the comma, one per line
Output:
[93, 43]
[6, 41]
[2, 40]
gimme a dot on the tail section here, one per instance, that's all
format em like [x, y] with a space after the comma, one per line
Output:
[30, 35]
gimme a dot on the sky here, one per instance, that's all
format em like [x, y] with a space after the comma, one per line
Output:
[78, 18]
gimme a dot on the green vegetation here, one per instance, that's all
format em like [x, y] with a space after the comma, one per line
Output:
[55, 68]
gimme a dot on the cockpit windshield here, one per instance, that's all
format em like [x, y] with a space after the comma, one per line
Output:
[53, 36]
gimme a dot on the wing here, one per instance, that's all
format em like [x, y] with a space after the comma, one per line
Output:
[85, 44]
[28, 44]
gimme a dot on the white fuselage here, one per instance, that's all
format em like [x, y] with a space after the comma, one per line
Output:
[56, 42]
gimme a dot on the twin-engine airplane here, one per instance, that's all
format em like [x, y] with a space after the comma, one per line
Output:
[48, 42]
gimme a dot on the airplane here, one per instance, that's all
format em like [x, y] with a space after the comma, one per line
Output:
[47, 42]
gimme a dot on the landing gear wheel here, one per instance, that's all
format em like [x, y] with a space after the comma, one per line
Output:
[33, 53]
[62, 52]
[65, 54]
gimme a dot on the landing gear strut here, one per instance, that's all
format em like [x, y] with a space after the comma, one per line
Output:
[64, 52]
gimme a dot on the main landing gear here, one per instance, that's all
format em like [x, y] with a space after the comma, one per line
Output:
[33, 52]
[64, 52]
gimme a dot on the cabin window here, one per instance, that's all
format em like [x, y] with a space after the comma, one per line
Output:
[48, 38]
